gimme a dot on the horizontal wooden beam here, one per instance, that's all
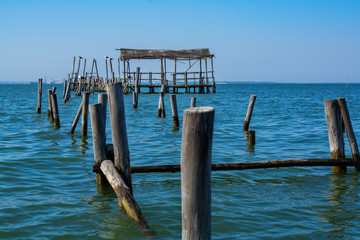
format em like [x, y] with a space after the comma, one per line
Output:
[252, 165]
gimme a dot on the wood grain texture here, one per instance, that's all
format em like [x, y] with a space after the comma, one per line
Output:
[85, 113]
[119, 132]
[335, 133]
[349, 131]
[249, 112]
[197, 134]
[126, 200]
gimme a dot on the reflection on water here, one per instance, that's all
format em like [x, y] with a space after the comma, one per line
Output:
[84, 145]
[337, 214]
[63, 201]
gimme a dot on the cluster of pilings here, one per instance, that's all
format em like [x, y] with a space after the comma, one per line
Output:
[112, 161]
[53, 110]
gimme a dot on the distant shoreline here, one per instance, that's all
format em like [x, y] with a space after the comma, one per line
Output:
[218, 82]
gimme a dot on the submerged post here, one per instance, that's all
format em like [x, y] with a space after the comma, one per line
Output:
[119, 133]
[350, 132]
[38, 108]
[174, 110]
[251, 137]
[99, 138]
[55, 110]
[335, 133]
[249, 112]
[196, 148]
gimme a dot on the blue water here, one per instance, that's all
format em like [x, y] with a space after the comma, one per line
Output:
[48, 189]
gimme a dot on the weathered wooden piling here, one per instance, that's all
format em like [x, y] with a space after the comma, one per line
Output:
[126, 200]
[136, 88]
[67, 93]
[85, 112]
[249, 112]
[64, 88]
[349, 131]
[102, 98]
[193, 102]
[55, 110]
[119, 133]
[251, 137]
[76, 120]
[99, 137]
[174, 110]
[335, 133]
[38, 108]
[161, 107]
[49, 112]
[197, 134]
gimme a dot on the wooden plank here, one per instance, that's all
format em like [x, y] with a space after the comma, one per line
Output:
[169, 54]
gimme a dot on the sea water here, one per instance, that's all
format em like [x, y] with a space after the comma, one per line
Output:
[48, 189]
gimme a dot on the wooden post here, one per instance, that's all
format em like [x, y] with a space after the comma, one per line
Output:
[161, 107]
[350, 132]
[99, 137]
[55, 110]
[186, 82]
[212, 75]
[64, 88]
[197, 134]
[251, 137]
[119, 133]
[136, 88]
[174, 110]
[193, 102]
[201, 87]
[335, 133]
[85, 111]
[67, 93]
[249, 112]
[126, 200]
[102, 98]
[49, 112]
[76, 120]
[38, 108]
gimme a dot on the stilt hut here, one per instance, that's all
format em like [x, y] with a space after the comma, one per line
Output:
[194, 74]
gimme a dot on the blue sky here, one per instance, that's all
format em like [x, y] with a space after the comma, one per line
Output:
[281, 41]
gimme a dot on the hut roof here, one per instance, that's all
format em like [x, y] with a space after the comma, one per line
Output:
[127, 54]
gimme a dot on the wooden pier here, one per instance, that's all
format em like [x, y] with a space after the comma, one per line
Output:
[191, 71]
